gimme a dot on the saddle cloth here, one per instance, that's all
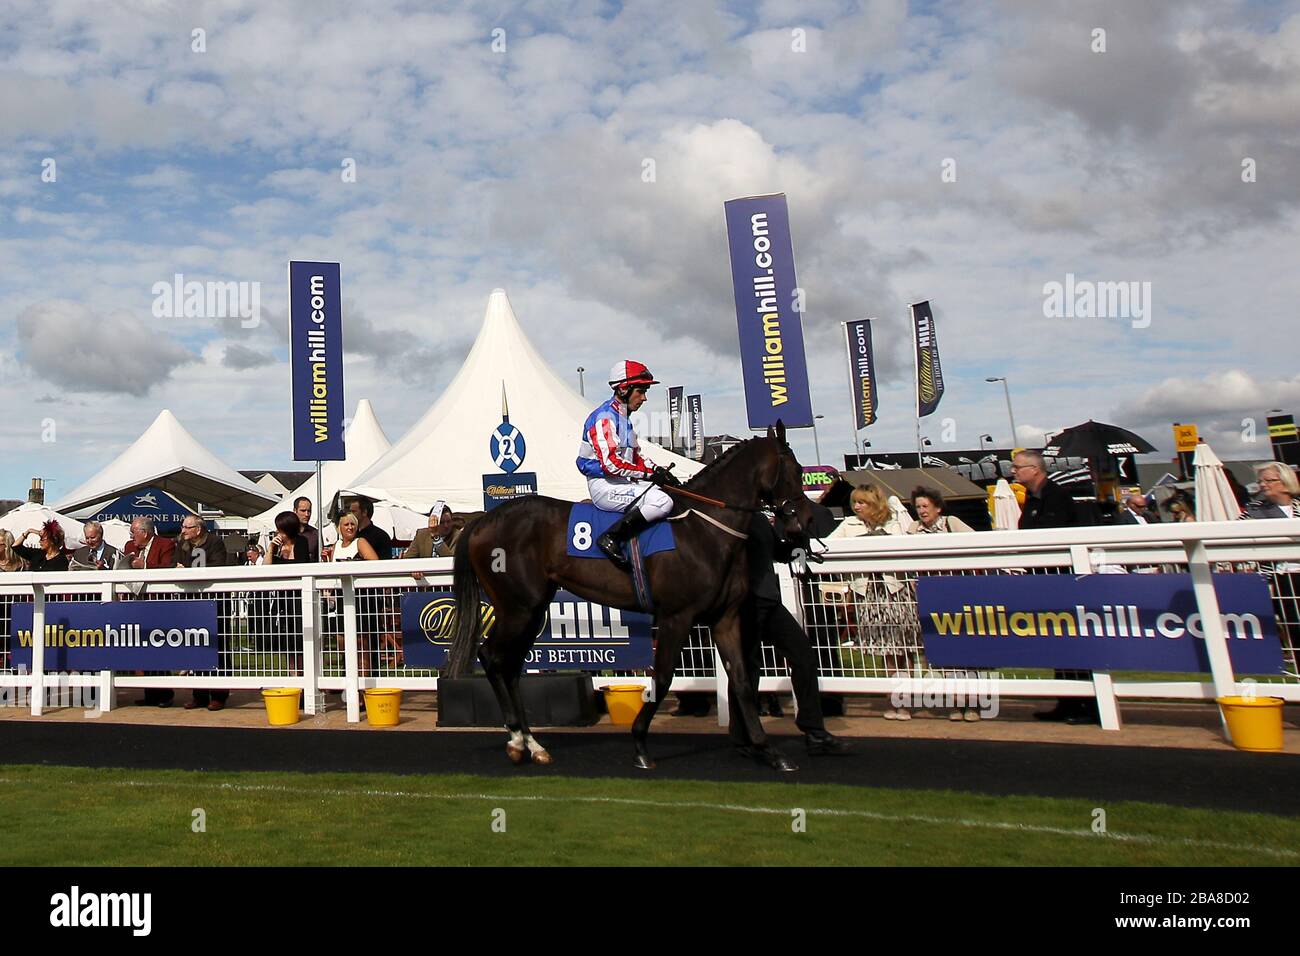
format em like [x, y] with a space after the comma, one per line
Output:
[587, 523]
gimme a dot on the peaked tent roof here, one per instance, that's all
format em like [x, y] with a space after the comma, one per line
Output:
[446, 454]
[363, 443]
[168, 456]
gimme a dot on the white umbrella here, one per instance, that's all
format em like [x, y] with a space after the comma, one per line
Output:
[1214, 498]
[1006, 510]
[30, 515]
[900, 513]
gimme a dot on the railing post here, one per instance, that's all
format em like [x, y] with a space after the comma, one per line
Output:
[1216, 641]
[107, 681]
[38, 649]
[310, 645]
[350, 678]
[723, 689]
[1107, 706]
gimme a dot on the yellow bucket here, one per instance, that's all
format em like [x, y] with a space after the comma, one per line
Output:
[623, 702]
[282, 705]
[383, 706]
[1255, 723]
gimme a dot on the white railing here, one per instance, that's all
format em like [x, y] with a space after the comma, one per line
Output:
[335, 627]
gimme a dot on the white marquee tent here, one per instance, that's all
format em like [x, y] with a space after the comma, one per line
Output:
[447, 452]
[169, 457]
[364, 442]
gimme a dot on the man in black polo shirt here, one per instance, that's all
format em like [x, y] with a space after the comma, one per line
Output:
[377, 538]
[1048, 505]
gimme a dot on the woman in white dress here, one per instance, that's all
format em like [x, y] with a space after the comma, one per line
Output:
[882, 612]
[349, 547]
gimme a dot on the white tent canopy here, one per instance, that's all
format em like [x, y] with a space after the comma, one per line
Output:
[364, 442]
[447, 452]
[169, 457]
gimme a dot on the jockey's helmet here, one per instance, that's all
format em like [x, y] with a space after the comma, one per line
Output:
[628, 374]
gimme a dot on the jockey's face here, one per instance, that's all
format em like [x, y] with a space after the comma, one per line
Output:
[636, 397]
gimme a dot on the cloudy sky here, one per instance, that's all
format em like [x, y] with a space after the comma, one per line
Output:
[506, 145]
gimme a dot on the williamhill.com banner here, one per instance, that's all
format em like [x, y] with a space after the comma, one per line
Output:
[929, 374]
[863, 366]
[695, 426]
[675, 416]
[771, 330]
[316, 360]
[120, 635]
[578, 635]
[1103, 622]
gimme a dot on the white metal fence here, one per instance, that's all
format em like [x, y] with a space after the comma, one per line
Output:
[336, 627]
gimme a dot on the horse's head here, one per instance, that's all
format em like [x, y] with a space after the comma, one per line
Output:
[781, 485]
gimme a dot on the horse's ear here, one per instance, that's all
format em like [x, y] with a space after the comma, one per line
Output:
[771, 432]
[780, 431]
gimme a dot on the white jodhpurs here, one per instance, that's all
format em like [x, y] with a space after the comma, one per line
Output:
[615, 494]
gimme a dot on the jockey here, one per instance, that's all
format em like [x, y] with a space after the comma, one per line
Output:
[611, 459]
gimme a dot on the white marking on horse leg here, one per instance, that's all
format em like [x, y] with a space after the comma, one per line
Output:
[533, 745]
[517, 739]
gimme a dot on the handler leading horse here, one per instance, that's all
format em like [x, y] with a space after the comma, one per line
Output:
[516, 553]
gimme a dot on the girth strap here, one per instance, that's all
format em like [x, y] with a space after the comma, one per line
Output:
[713, 521]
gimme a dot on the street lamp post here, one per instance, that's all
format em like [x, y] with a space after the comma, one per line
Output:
[816, 444]
[581, 387]
[1011, 415]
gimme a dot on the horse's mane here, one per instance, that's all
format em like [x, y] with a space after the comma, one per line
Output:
[722, 461]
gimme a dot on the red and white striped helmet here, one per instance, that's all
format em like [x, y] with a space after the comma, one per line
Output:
[627, 373]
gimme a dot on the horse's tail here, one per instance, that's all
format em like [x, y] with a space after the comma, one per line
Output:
[466, 620]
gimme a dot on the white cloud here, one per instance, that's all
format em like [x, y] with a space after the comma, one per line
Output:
[70, 346]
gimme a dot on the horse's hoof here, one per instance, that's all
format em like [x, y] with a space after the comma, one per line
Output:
[543, 757]
[517, 755]
[644, 763]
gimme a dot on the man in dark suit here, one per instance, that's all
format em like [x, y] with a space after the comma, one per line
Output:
[199, 549]
[765, 619]
[95, 553]
[1135, 511]
[302, 508]
[1048, 505]
[146, 550]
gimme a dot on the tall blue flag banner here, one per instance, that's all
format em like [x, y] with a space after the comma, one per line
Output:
[929, 374]
[695, 426]
[577, 634]
[863, 366]
[675, 416]
[120, 635]
[767, 312]
[1104, 622]
[316, 360]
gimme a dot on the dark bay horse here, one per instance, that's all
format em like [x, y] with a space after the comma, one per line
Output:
[515, 555]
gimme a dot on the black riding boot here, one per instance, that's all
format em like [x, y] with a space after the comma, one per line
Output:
[620, 532]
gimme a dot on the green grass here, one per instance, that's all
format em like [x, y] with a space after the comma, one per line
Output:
[74, 816]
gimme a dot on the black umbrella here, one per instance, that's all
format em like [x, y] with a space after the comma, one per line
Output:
[1097, 442]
